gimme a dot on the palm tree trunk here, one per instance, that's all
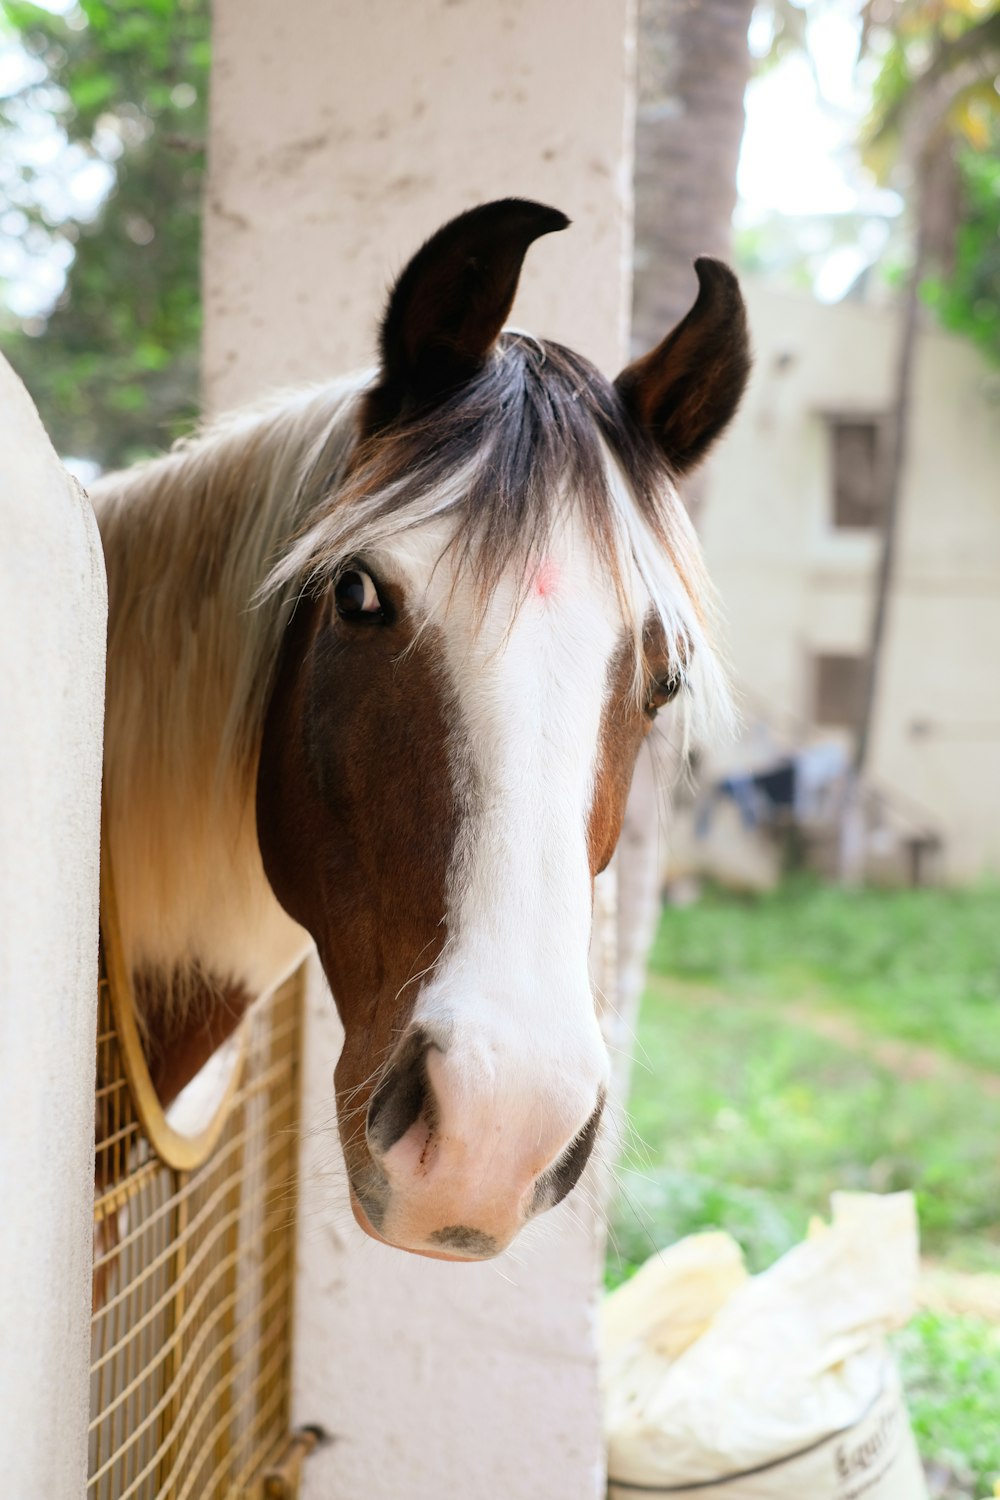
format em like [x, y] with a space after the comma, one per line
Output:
[694, 65]
[895, 461]
[853, 836]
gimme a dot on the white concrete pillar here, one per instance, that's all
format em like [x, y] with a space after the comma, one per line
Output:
[342, 135]
[53, 611]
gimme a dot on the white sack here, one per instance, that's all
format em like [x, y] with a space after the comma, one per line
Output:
[793, 1362]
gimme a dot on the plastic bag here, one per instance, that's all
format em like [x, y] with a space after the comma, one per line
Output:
[772, 1387]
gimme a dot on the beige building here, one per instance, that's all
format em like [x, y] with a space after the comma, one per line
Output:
[791, 532]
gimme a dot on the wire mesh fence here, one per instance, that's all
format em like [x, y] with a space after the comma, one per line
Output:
[193, 1264]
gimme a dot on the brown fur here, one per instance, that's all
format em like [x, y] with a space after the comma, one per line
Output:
[626, 723]
[356, 817]
[179, 1042]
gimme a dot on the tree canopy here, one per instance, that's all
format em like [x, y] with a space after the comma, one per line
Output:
[931, 69]
[113, 367]
[935, 123]
[968, 299]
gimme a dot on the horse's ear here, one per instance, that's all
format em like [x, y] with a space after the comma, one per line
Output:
[686, 390]
[451, 301]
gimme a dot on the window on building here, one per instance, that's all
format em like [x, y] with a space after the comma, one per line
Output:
[855, 453]
[838, 690]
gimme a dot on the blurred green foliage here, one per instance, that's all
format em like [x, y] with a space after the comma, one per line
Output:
[968, 300]
[933, 62]
[936, 80]
[749, 1120]
[951, 1370]
[114, 368]
[921, 965]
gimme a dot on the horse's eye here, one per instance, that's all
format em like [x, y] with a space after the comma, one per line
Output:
[357, 597]
[662, 692]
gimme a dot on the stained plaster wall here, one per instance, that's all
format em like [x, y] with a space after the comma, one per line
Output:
[341, 137]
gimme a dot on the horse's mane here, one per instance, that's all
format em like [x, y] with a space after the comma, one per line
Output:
[188, 539]
[191, 537]
[238, 520]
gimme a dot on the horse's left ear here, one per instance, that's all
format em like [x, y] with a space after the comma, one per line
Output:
[686, 390]
[451, 301]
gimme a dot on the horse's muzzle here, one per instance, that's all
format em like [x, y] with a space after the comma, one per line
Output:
[459, 1162]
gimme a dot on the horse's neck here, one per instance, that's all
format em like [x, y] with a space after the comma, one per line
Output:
[188, 541]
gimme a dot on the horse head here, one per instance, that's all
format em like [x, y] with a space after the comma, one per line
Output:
[497, 592]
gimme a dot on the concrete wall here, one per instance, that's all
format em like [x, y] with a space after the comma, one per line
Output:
[53, 610]
[341, 137]
[792, 585]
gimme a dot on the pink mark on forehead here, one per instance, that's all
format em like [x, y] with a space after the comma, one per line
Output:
[546, 578]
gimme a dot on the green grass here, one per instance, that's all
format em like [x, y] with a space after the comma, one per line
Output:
[745, 1118]
[951, 1370]
[923, 965]
[740, 1106]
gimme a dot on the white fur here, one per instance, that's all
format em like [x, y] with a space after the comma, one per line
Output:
[529, 684]
[520, 1064]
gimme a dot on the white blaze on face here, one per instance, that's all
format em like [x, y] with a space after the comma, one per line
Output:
[522, 1064]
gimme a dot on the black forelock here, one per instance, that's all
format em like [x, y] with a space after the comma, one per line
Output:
[531, 433]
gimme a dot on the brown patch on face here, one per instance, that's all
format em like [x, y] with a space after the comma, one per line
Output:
[356, 819]
[624, 725]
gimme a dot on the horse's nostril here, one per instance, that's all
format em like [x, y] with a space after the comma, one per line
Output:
[552, 1187]
[401, 1097]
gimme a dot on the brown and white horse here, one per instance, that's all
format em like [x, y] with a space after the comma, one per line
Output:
[382, 654]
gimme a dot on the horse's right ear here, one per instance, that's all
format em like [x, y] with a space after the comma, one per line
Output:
[450, 303]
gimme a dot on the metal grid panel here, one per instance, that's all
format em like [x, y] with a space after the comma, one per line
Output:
[193, 1274]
